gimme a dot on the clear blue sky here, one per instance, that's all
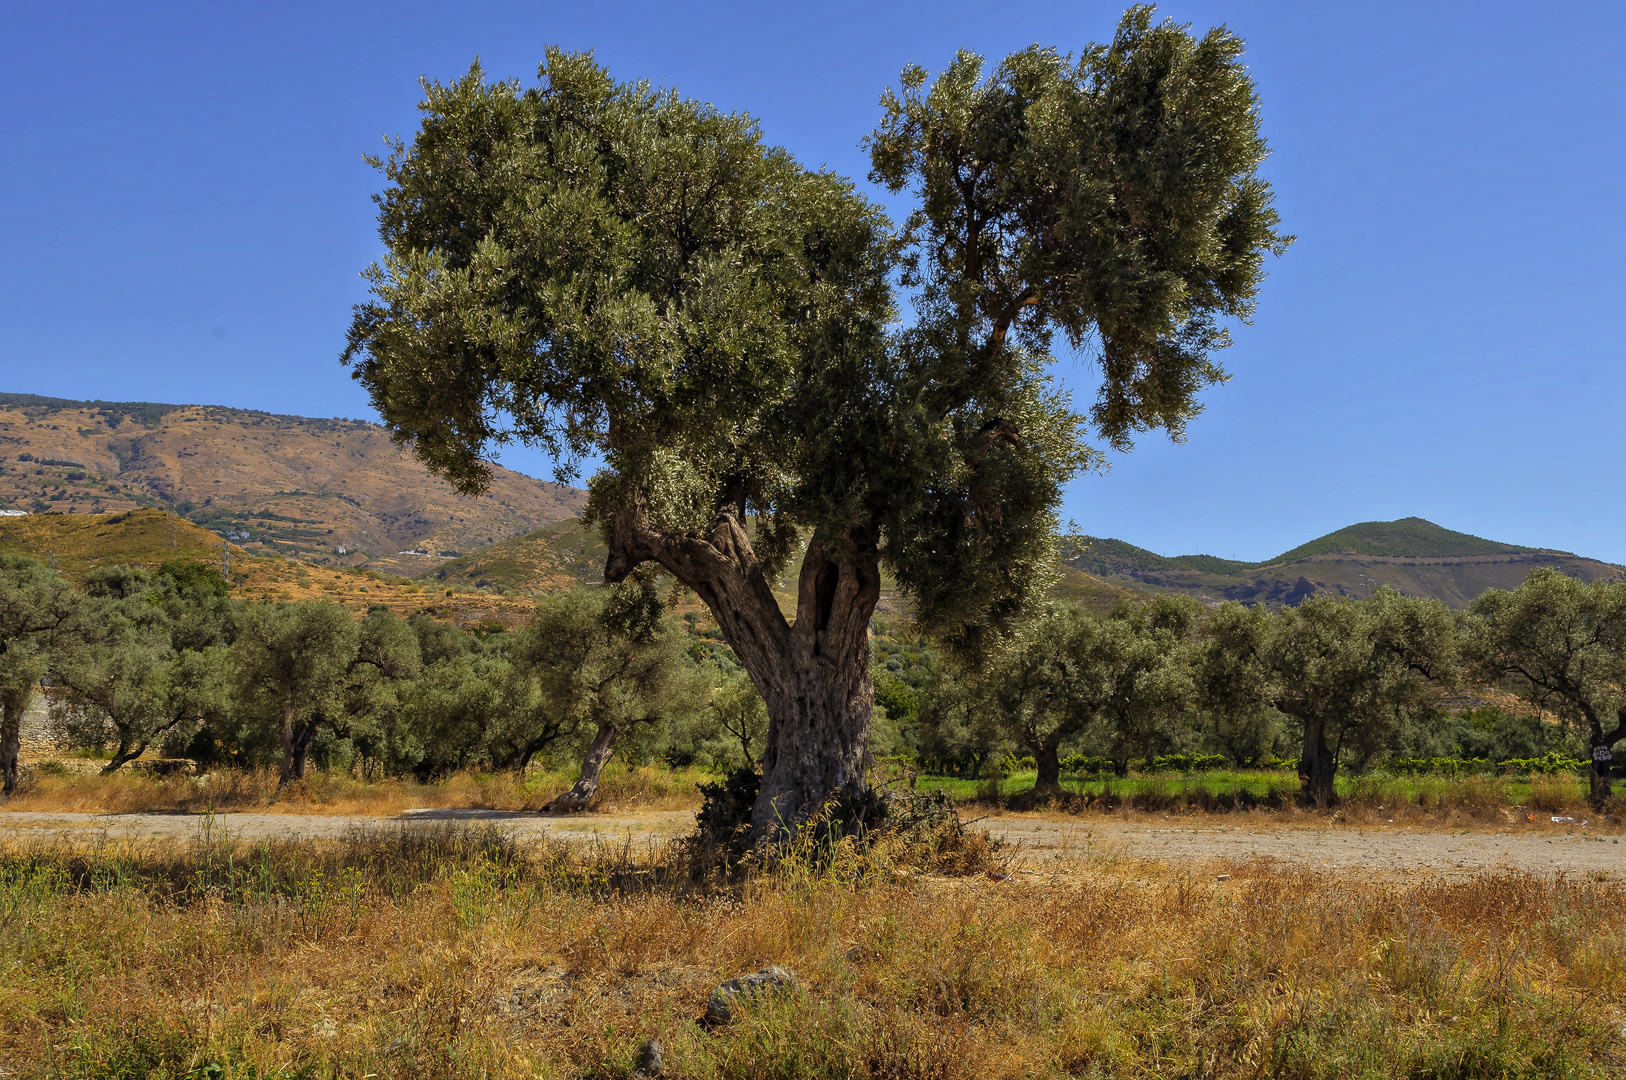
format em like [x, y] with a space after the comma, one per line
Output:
[185, 212]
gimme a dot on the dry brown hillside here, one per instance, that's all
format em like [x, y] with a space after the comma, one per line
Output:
[295, 486]
[78, 543]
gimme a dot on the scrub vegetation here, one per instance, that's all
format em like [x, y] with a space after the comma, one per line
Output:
[454, 953]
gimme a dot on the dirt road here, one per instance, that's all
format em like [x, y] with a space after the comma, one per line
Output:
[1545, 849]
[1396, 851]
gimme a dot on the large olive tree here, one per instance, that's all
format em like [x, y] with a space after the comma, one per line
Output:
[607, 269]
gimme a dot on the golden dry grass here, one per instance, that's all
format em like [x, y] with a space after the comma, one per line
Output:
[455, 955]
[645, 787]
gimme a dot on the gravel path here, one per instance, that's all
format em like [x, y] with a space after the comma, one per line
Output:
[1568, 849]
[1545, 849]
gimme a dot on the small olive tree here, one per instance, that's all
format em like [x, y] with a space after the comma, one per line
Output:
[1562, 644]
[1344, 669]
[147, 666]
[290, 660]
[1124, 678]
[311, 665]
[606, 661]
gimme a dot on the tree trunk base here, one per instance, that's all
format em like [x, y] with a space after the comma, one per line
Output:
[571, 802]
[10, 749]
[580, 796]
[1317, 769]
[1602, 784]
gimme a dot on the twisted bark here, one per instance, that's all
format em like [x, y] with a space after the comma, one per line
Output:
[1317, 768]
[813, 674]
[11, 739]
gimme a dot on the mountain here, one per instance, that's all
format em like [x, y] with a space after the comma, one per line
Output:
[340, 493]
[1412, 556]
[325, 491]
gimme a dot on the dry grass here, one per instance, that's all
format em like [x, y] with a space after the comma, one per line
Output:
[128, 791]
[453, 954]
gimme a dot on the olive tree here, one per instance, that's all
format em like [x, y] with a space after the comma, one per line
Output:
[957, 730]
[605, 662]
[740, 712]
[290, 660]
[1125, 678]
[311, 665]
[1135, 677]
[608, 269]
[1030, 690]
[39, 611]
[1344, 669]
[133, 689]
[146, 667]
[1562, 644]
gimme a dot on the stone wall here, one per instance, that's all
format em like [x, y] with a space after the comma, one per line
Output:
[36, 733]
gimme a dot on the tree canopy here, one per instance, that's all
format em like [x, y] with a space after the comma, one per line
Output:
[1343, 669]
[1563, 645]
[605, 268]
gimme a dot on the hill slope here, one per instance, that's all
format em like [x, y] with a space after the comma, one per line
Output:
[570, 552]
[561, 555]
[293, 485]
[1413, 556]
[78, 543]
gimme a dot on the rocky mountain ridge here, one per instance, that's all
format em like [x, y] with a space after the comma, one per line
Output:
[328, 491]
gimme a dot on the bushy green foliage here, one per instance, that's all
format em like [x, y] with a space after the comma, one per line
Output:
[1548, 765]
[614, 271]
[1561, 644]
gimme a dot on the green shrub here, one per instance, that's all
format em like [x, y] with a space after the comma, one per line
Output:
[1549, 764]
[1083, 765]
[1185, 763]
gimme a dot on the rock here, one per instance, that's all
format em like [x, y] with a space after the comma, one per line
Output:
[1223, 877]
[727, 999]
[649, 1059]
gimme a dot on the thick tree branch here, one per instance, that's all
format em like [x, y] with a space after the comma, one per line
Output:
[720, 567]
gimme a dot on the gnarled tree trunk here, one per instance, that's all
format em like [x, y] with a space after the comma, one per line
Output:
[813, 675]
[1603, 760]
[296, 745]
[11, 737]
[1048, 756]
[586, 786]
[1317, 769]
[122, 755]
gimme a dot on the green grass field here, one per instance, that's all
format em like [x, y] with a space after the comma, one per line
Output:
[1230, 788]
